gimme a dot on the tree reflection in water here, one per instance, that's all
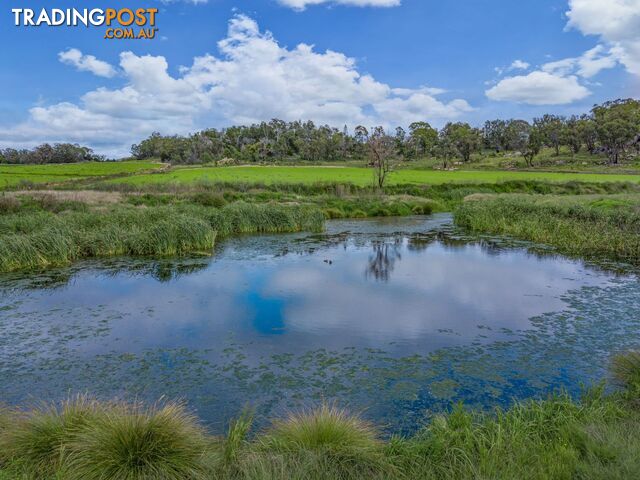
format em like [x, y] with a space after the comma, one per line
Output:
[383, 259]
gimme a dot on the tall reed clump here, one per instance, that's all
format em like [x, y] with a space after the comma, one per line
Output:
[625, 368]
[87, 440]
[574, 225]
[241, 217]
[36, 239]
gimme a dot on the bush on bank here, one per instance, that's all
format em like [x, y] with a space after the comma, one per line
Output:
[596, 437]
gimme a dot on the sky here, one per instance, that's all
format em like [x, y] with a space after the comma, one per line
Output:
[216, 63]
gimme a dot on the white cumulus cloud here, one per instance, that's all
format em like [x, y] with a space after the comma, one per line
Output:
[86, 63]
[539, 88]
[616, 22]
[253, 79]
[519, 65]
[587, 65]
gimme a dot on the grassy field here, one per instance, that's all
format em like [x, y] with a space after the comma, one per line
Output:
[12, 175]
[357, 176]
[595, 437]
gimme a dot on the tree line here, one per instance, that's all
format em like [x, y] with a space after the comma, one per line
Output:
[46, 153]
[612, 128]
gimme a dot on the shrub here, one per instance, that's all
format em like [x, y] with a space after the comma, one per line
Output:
[209, 199]
[9, 204]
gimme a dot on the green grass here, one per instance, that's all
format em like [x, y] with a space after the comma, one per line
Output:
[14, 175]
[84, 439]
[594, 437]
[35, 238]
[357, 176]
[588, 225]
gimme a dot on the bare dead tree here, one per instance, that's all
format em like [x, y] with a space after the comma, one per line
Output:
[382, 155]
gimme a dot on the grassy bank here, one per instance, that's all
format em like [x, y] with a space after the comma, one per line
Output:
[35, 238]
[596, 437]
[349, 198]
[590, 225]
[49, 228]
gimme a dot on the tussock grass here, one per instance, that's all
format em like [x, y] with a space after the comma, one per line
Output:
[130, 442]
[625, 368]
[583, 225]
[35, 443]
[325, 443]
[326, 428]
[85, 439]
[36, 239]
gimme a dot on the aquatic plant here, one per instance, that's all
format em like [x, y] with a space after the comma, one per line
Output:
[582, 225]
[35, 239]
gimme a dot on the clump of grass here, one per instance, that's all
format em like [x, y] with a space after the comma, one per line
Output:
[324, 428]
[625, 368]
[9, 204]
[35, 443]
[322, 443]
[209, 199]
[536, 439]
[36, 239]
[88, 440]
[130, 442]
[575, 225]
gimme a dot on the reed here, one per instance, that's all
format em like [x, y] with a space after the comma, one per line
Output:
[38, 239]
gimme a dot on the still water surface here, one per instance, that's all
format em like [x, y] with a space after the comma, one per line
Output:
[395, 318]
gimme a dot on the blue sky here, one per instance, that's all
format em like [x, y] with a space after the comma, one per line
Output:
[404, 61]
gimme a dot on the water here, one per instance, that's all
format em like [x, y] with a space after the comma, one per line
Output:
[394, 318]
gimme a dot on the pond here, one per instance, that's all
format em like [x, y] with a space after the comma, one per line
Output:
[396, 319]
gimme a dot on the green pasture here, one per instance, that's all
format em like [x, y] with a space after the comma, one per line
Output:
[357, 176]
[11, 175]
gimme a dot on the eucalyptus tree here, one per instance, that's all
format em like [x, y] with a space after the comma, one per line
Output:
[465, 139]
[551, 128]
[617, 126]
[422, 138]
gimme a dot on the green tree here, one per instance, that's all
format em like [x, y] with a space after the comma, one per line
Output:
[551, 128]
[494, 134]
[617, 126]
[572, 134]
[515, 134]
[532, 145]
[588, 132]
[422, 138]
[465, 139]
